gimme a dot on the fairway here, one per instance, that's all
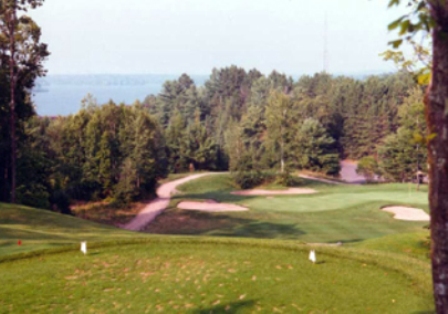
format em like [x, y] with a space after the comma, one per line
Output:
[335, 200]
[343, 213]
[211, 277]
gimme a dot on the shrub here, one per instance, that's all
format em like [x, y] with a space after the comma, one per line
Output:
[368, 167]
[247, 179]
[286, 179]
[61, 201]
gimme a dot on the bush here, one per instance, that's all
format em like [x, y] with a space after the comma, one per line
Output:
[247, 179]
[253, 178]
[286, 179]
[368, 167]
[61, 201]
[35, 195]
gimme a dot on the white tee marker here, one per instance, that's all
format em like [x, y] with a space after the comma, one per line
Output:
[84, 247]
[312, 256]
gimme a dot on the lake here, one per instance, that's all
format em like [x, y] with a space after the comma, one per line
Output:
[62, 94]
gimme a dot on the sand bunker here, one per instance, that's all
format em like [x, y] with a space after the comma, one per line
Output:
[211, 206]
[407, 213]
[291, 191]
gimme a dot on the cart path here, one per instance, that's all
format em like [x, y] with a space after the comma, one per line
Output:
[154, 208]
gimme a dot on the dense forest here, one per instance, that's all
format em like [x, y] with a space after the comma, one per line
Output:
[239, 120]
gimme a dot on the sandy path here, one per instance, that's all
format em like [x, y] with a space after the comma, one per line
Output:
[211, 206]
[407, 213]
[154, 208]
[348, 172]
[320, 179]
[291, 191]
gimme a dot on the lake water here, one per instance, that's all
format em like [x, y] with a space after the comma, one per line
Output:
[62, 95]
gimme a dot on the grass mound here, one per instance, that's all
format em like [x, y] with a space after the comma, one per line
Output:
[182, 275]
[38, 229]
[215, 183]
[415, 244]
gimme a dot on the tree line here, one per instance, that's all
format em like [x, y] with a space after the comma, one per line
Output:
[251, 121]
[242, 121]
[239, 120]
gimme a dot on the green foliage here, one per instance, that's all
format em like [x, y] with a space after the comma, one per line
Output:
[249, 179]
[241, 112]
[20, 45]
[368, 167]
[281, 118]
[403, 154]
[61, 201]
[417, 21]
[315, 149]
[239, 121]
[101, 152]
[125, 190]
[398, 157]
[287, 179]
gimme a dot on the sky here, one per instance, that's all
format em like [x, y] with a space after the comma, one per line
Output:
[195, 36]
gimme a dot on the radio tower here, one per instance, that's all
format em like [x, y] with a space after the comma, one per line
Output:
[326, 44]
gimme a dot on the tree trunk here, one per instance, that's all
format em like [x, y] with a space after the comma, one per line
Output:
[12, 82]
[436, 102]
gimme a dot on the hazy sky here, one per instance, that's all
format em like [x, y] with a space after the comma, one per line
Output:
[193, 36]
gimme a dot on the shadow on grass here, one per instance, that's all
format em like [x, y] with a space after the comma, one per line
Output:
[232, 307]
[202, 223]
[262, 230]
[221, 196]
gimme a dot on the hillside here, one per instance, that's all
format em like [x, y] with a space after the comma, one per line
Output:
[40, 229]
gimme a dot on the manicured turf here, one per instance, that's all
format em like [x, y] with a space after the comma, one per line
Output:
[335, 214]
[190, 276]
[415, 244]
[382, 268]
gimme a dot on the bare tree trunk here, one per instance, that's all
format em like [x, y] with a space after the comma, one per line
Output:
[282, 154]
[12, 107]
[436, 102]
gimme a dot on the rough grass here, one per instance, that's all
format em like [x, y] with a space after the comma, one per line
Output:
[185, 275]
[38, 229]
[107, 212]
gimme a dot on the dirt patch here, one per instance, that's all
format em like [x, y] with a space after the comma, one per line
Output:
[107, 213]
[407, 213]
[314, 178]
[348, 172]
[291, 191]
[153, 209]
[210, 206]
[189, 222]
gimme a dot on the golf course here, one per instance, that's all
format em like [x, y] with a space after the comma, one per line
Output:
[249, 261]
